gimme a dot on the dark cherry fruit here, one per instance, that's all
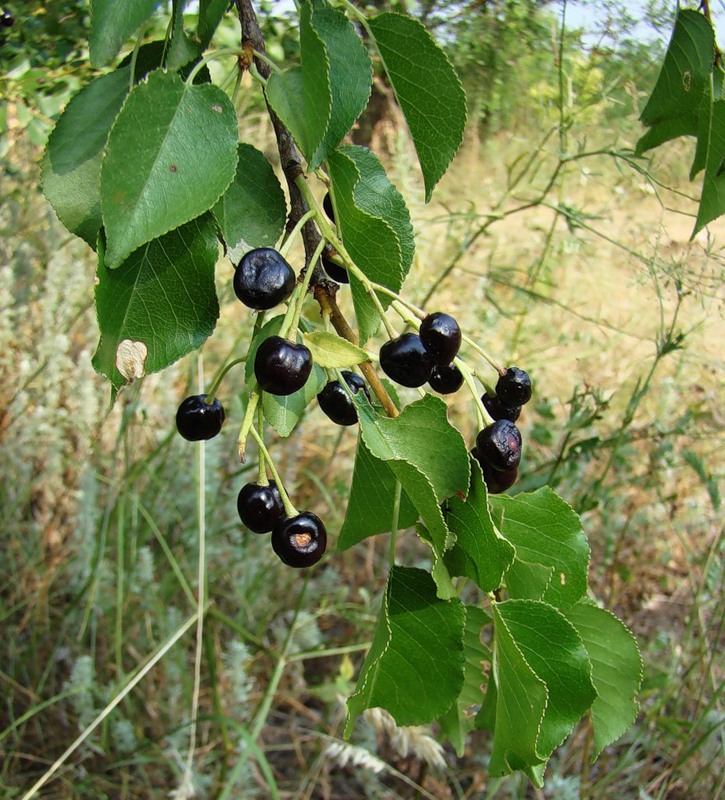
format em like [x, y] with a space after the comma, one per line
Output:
[300, 541]
[441, 337]
[496, 481]
[281, 366]
[336, 402]
[499, 445]
[498, 409]
[327, 206]
[514, 387]
[406, 360]
[263, 279]
[335, 271]
[196, 419]
[259, 506]
[7, 20]
[445, 378]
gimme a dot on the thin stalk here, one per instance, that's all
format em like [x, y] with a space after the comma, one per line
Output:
[223, 53]
[201, 592]
[262, 469]
[117, 700]
[268, 61]
[395, 521]
[305, 285]
[289, 240]
[120, 559]
[210, 396]
[247, 424]
[289, 509]
[262, 712]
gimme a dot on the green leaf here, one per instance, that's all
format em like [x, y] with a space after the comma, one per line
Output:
[480, 552]
[687, 101]
[377, 196]
[422, 436]
[673, 108]
[405, 654]
[526, 581]
[553, 649]
[372, 500]
[429, 458]
[71, 170]
[712, 200]
[211, 13]
[535, 647]
[427, 88]
[616, 670]
[380, 247]
[461, 716]
[159, 306]
[113, 23]
[252, 211]
[181, 49]
[182, 142]
[301, 96]
[545, 530]
[332, 351]
[514, 705]
[351, 75]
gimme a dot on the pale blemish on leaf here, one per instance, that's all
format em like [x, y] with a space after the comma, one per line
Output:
[131, 359]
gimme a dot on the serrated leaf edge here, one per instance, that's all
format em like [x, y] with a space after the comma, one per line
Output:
[428, 191]
[224, 98]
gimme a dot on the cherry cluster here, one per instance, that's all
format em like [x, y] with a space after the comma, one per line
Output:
[262, 280]
[413, 359]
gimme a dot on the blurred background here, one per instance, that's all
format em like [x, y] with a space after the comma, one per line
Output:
[555, 249]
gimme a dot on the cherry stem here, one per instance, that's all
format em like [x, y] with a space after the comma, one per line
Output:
[210, 397]
[398, 301]
[267, 60]
[481, 412]
[227, 51]
[262, 473]
[289, 509]
[247, 424]
[396, 519]
[289, 240]
[309, 270]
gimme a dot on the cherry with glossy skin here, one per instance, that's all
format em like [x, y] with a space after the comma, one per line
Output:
[499, 410]
[499, 445]
[260, 507]
[406, 360]
[514, 387]
[445, 378]
[7, 20]
[263, 279]
[335, 271]
[196, 419]
[441, 337]
[281, 366]
[336, 402]
[496, 481]
[300, 541]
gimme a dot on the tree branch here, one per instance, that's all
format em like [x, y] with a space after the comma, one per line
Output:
[324, 289]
